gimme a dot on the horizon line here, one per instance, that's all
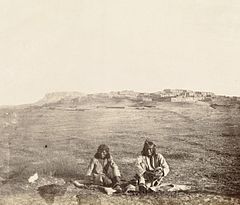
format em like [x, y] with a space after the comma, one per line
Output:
[98, 92]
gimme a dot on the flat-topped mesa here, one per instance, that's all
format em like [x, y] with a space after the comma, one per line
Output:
[57, 96]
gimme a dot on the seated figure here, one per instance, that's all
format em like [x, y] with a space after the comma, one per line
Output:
[103, 170]
[151, 167]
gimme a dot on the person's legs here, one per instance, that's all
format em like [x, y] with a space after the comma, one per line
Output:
[157, 181]
[97, 179]
[146, 180]
[114, 175]
[116, 181]
[116, 184]
[106, 181]
[152, 179]
[141, 183]
[102, 179]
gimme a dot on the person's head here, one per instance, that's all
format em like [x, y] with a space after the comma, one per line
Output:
[149, 148]
[102, 152]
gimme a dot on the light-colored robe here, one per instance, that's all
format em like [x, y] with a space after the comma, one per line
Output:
[145, 163]
[99, 168]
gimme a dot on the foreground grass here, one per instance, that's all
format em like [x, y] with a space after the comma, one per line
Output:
[200, 143]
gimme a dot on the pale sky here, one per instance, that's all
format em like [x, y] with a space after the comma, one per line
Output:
[102, 45]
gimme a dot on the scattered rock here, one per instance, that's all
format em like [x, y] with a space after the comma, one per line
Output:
[33, 178]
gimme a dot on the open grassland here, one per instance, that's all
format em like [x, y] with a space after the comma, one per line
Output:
[201, 145]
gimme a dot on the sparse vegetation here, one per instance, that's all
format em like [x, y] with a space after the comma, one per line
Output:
[201, 145]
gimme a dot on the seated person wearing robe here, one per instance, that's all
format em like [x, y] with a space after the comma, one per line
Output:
[103, 170]
[151, 167]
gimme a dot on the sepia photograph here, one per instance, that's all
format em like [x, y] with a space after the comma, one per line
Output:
[119, 102]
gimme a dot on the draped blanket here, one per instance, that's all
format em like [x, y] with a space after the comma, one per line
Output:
[130, 188]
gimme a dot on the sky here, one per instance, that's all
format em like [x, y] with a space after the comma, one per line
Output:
[100, 46]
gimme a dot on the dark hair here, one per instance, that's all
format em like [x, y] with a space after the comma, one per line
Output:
[146, 145]
[100, 149]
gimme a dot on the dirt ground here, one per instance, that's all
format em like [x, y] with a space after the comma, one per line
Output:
[200, 143]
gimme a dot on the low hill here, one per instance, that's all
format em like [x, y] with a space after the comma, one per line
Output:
[135, 99]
